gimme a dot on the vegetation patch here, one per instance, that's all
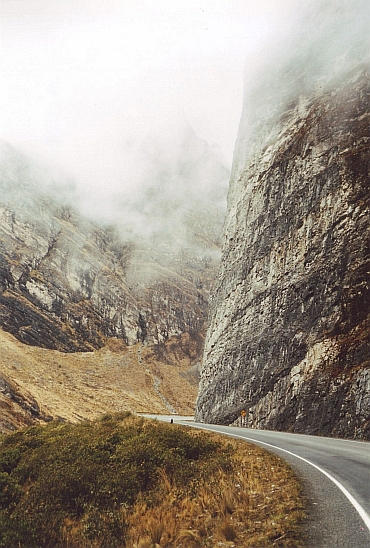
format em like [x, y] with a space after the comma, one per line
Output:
[124, 481]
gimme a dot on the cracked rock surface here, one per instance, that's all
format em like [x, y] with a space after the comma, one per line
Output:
[69, 284]
[288, 339]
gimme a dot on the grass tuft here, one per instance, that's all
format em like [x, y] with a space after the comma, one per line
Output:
[227, 530]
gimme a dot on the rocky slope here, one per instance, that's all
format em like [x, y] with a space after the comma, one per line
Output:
[289, 331]
[71, 285]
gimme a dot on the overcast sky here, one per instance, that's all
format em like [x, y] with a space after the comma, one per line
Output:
[83, 82]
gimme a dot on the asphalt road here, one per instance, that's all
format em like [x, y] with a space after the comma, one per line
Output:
[336, 479]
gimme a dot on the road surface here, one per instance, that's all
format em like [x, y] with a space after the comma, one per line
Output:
[336, 477]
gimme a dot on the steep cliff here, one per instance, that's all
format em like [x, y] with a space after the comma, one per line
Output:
[289, 324]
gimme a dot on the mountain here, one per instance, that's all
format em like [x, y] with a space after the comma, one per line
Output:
[72, 285]
[288, 340]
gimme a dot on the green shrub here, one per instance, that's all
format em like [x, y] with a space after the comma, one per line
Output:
[10, 492]
[64, 484]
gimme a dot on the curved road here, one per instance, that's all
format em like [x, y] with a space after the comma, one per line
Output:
[336, 476]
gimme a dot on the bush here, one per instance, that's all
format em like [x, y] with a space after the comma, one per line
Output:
[64, 484]
[123, 481]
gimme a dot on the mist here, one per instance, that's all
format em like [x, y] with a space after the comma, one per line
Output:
[87, 84]
[131, 109]
[319, 48]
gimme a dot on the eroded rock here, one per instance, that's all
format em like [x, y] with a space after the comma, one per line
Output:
[289, 324]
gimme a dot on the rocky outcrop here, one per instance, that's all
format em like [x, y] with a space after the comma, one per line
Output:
[18, 407]
[62, 278]
[288, 340]
[69, 284]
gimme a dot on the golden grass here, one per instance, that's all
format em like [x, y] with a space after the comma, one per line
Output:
[258, 504]
[126, 482]
[84, 385]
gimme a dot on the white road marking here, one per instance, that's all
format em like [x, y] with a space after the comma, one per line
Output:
[360, 510]
[363, 514]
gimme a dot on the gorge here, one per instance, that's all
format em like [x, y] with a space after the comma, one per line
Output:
[116, 314]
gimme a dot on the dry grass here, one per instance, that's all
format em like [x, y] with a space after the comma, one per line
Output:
[258, 504]
[85, 385]
[125, 482]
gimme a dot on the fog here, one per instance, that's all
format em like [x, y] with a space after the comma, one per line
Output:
[109, 91]
[85, 84]
[327, 40]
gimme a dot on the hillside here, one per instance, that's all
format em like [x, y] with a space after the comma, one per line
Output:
[69, 283]
[38, 384]
[122, 303]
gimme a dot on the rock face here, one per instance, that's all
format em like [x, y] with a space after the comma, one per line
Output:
[69, 284]
[18, 407]
[289, 330]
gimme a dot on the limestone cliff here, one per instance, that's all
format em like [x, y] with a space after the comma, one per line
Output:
[289, 324]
